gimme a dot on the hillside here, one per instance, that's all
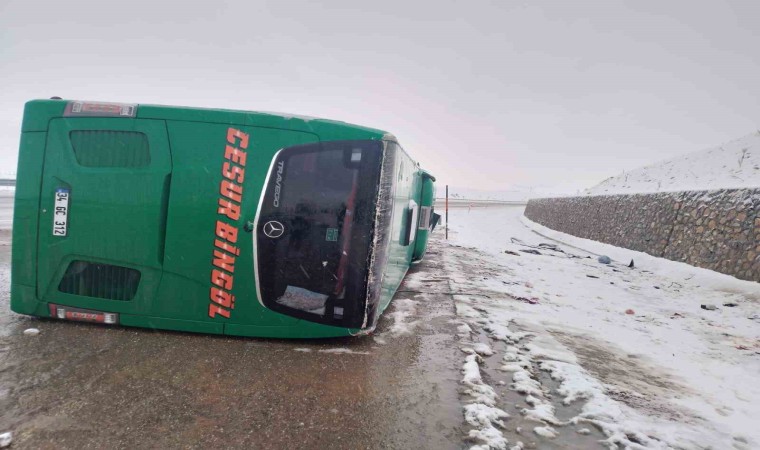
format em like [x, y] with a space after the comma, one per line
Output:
[732, 165]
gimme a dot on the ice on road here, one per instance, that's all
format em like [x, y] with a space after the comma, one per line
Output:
[578, 343]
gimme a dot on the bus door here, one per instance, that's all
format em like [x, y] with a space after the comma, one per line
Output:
[103, 205]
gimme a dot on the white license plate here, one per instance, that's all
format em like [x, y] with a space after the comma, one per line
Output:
[61, 212]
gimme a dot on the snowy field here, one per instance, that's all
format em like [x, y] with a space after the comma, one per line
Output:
[732, 165]
[562, 351]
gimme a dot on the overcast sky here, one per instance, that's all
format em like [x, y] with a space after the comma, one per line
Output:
[486, 95]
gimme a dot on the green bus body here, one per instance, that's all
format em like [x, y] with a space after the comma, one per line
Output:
[212, 221]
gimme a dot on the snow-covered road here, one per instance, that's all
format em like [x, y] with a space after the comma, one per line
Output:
[585, 352]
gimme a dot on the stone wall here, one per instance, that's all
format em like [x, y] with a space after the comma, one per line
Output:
[717, 230]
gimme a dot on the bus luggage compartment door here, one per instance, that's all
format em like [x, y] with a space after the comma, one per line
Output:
[103, 205]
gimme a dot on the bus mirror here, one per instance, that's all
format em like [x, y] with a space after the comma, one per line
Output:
[434, 221]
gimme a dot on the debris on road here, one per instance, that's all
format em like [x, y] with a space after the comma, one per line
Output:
[631, 264]
[592, 276]
[709, 307]
[510, 252]
[604, 259]
[730, 304]
[531, 300]
[531, 251]
[31, 332]
[551, 247]
[630, 311]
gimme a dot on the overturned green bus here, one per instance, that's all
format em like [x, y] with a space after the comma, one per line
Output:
[212, 221]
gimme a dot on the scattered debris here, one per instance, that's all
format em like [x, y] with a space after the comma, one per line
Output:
[592, 276]
[657, 287]
[709, 307]
[584, 431]
[604, 259]
[6, 439]
[551, 247]
[531, 300]
[742, 347]
[631, 264]
[677, 315]
[531, 251]
[510, 252]
[630, 311]
[730, 304]
[31, 332]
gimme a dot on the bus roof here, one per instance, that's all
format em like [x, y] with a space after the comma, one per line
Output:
[38, 113]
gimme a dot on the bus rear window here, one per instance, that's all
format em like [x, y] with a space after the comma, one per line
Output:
[315, 230]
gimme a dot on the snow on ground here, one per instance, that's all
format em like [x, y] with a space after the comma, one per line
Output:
[732, 165]
[343, 351]
[628, 351]
[404, 308]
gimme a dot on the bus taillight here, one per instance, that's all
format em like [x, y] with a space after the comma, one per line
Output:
[83, 315]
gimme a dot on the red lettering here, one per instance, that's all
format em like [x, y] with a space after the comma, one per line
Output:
[222, 279]
[227, 247]
[234, 173]
[235, 155]
[224, 261]
[231, 190]
[226, 232]
[232, 133]
[229, 209]
[223, 298]
[214, 309]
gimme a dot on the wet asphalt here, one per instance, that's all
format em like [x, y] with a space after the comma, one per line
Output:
[91, 386]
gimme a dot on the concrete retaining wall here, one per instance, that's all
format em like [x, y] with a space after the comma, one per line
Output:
[718, 230]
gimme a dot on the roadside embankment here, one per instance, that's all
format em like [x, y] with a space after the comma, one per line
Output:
[717, 230]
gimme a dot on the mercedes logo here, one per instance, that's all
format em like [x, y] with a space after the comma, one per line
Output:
[274, 229]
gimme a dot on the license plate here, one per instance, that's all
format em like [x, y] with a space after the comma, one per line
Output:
[61, 212]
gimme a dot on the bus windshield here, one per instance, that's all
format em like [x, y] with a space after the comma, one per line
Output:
[315, 230]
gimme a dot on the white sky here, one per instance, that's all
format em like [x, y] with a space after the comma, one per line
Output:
[485, 95]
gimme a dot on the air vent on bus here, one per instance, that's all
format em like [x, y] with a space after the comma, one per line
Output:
[100, 280]
[108, 148]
